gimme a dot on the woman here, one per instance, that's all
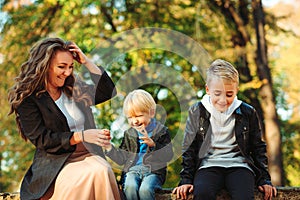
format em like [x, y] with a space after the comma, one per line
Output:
[52, 109]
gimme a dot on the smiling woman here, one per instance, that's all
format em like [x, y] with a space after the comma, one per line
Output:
[52, 108]
[60, 68]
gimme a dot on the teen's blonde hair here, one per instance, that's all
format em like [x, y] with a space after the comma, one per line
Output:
[138, 101]
[222, 69]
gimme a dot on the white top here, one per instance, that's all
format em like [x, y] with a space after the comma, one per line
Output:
[74, 115]
[224, 150]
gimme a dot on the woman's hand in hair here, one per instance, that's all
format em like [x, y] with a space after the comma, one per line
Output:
[78, 55]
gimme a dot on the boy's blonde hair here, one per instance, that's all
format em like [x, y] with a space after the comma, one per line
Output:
[138, 101]
[222, 69]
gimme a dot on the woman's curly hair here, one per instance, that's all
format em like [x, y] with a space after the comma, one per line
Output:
[33, 75]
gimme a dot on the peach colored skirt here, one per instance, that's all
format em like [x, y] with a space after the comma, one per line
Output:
[84, 176]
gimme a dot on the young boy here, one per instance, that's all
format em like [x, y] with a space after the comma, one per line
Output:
[222, 146]
[145, 149]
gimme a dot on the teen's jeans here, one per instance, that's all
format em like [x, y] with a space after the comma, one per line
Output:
[140, 183]
[238, 181]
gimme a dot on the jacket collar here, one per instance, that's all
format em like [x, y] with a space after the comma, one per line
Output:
[206, 114]
[51, 105]
[238, 113]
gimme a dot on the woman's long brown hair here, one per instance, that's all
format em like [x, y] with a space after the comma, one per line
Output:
[33, 77]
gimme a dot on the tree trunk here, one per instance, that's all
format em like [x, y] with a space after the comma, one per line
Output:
[272, 131]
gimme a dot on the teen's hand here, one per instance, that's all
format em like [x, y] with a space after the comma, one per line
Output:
[269, 191]
[183, 191]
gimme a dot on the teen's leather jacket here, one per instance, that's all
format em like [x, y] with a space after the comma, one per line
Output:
[248, 137]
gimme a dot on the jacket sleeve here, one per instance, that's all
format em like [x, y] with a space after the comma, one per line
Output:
[32, 124]
[163, 147]
[190, 147]
[159, 155]
[105, 87]
[258, 150]
[122, 154]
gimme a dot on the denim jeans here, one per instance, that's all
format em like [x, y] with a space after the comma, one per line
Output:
[140, 183]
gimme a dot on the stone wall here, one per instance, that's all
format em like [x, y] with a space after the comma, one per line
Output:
[284, 193]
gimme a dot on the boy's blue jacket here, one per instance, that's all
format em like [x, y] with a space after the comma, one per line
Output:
[155, 157]
[248, 136]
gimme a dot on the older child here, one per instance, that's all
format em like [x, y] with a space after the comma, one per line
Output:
[145, 149]
[222, 146]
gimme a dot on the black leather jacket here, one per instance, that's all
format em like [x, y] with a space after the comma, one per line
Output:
[156, 157]
[248, 137]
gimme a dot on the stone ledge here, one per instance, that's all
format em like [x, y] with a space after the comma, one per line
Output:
[284, 193]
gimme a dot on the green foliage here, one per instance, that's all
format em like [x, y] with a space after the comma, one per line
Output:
[162, 62]
[291, 152]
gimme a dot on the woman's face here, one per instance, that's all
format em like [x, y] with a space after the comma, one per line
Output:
[222, 93]
[60, 68]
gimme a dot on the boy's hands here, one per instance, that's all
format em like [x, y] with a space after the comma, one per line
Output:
[146, 139]
[183, 191]
[107, 146]
[142, 130]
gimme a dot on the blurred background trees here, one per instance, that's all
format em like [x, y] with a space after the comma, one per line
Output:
[152, 44]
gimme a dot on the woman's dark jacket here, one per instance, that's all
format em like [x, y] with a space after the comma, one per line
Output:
[248, 137]
[155, 157]
[43, 123]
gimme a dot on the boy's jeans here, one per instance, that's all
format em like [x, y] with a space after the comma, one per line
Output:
[140, 183]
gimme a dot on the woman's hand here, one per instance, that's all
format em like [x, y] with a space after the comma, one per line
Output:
[100, 137]
[80, 57]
